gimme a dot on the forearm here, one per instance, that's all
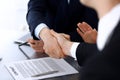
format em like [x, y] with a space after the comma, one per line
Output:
[35, 14]
[33, 24]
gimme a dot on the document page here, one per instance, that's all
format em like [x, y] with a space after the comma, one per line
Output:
[41, 68]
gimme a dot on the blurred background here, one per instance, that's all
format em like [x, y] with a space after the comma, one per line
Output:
[13, 14]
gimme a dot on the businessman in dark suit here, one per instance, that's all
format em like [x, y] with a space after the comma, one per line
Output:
[103, 62]
[60, 15]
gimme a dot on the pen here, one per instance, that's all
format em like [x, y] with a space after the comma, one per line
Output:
[0, 59]
[45, 73]
[25, 43]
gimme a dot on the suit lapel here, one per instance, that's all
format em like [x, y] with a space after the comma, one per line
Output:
[114, 35]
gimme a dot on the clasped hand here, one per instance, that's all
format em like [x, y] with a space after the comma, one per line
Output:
[58, 45]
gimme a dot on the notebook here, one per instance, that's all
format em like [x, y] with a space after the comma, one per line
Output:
[41, 68]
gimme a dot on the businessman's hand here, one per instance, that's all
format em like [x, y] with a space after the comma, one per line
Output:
[63, 41]
[51, 46]
[37, 45]
[88, 34]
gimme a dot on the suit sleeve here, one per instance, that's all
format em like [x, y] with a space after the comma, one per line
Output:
[85, 51]
[36, 14]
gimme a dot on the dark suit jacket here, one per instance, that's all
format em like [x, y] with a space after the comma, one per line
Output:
[60, 16]
[104, 65]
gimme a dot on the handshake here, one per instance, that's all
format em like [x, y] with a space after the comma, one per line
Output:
[58, 45]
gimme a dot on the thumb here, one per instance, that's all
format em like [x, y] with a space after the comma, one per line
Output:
[53, 33]
[66, 36]
[94, 29]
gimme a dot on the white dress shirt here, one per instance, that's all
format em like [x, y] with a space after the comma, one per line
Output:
[105, 27]
[41, 26]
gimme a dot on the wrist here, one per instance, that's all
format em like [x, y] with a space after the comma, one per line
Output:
[43, 33]
[67, 47]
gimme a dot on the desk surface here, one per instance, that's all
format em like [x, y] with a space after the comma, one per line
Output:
[9, 52]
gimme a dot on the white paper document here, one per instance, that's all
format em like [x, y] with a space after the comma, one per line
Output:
[41, 68]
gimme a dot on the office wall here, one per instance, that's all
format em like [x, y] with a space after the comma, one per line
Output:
[13, 14]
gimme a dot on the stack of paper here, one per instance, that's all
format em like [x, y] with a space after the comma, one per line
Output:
[39, 68]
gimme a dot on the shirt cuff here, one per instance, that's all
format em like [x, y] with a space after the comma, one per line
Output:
[73, 50]
[39, 28]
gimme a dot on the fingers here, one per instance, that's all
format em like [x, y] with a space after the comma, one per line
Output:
[58, 35]
[80, 32]
[86, 32]
[35, 42]
[64, 43]
[94, 30]
[52, 47]
[32, 41]
[37, 45]
[83, 27]
[87, 26]
[54, 33]
[66, 36]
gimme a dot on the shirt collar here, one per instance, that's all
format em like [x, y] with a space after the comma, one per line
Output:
[106, 25]
[68, 1]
